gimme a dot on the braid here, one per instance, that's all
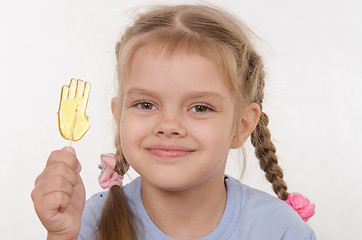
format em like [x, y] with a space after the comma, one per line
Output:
[265, 150]
[268, 161]
[122, 165]
[117, 219]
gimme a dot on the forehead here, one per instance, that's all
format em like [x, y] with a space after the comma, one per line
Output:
[153, 68]
[177, 60]
[219, 57]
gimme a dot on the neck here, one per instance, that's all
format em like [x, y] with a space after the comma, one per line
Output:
[187, 214]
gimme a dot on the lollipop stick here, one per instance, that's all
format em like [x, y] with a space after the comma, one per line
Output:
[73, 125]
[69, 144]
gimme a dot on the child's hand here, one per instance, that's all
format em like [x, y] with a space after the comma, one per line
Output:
[59, 195]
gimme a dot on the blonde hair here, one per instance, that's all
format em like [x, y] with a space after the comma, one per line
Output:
[213, 33]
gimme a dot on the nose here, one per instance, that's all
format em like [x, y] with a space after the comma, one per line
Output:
[170, 124]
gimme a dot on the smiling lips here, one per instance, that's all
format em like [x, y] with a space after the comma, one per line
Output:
[169, 151]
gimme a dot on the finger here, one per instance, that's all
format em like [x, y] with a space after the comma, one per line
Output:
[67, 157]
[50, 205]
[83, 104]
[58, 170]
[84, 100]
[72, 88]
[70, 150]
[87, 90]
[80, 88]
[79, 193]
[65, 93]
[50, 184]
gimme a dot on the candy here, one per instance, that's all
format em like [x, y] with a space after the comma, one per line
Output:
[72, 121]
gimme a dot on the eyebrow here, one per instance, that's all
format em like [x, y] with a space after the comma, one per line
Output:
[141, 91]
[206, 94]
[195, 94]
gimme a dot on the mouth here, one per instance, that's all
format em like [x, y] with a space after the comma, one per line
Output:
[169, 151]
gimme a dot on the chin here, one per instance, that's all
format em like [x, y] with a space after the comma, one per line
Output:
[176, 183]
[169, 182]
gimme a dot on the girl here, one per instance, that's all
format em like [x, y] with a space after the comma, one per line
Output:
[191, 88]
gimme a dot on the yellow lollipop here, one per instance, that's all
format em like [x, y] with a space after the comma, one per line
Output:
[72, 121]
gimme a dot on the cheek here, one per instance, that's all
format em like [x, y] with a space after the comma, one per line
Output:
[132, 131]
[126, 144]
[219, 130]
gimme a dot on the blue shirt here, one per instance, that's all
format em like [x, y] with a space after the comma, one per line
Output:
[249, 214]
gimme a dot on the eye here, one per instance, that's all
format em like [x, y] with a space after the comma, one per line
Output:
[145, 105]
[200, 108]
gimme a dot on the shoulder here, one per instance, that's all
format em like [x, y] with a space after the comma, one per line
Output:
[91, 214]
[266, 216]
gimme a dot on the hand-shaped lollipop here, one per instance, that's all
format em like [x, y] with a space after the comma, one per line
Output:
[73, 123]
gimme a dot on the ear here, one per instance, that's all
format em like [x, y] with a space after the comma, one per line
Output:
[114, 106]
[246, 124]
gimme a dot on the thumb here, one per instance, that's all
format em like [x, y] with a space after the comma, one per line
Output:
[72, 151]
[69, 149]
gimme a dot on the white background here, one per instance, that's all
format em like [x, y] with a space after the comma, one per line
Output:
[312, 51]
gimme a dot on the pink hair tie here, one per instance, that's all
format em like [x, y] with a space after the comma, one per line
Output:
[301, 204]
[108, 176]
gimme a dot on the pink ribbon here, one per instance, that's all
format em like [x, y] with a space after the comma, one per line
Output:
[108, 176]
[301, 204]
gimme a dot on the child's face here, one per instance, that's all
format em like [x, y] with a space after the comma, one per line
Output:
[177, 122]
